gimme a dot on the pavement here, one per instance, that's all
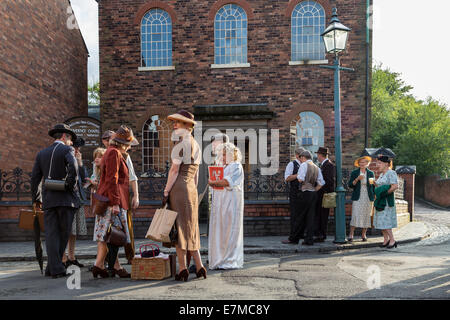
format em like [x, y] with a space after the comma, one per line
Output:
[87, 249]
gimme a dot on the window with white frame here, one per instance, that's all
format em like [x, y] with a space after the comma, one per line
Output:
[230, 36]
[156, 39]
[307, 131]
[307, 24]
[155, 145]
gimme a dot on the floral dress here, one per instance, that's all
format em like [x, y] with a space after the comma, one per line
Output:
[386, 219]
[362, 208]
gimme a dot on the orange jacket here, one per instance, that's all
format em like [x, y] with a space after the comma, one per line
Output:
[114, 178]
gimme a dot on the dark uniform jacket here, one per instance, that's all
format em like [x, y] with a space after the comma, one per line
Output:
[328, 172]
[64, 166]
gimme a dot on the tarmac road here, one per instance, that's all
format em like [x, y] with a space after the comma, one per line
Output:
[419, 270]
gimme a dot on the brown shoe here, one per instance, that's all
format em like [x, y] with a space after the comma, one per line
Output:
[96, 271]
[122, 273]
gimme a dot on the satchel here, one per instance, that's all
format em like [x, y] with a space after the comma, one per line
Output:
[162, 224]
[52, 184]
[329, 200]
[99, 204]
[116, 236]
[26, 219]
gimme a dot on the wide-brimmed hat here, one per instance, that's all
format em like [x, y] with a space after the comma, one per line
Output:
[356, 164]
[183, 115]
[62, 128]
[323, 150]
[107, 134]
[125, 136]
[79, 142]
[385, 159]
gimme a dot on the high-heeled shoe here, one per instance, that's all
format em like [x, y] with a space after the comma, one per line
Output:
[182, 276]
[122, 273]
[201, 272]
[384, 245]
[96, 271]
[393, 246]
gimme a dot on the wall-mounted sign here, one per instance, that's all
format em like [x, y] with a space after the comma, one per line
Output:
[90, 129]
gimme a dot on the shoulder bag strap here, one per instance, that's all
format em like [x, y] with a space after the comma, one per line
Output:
[51, 161]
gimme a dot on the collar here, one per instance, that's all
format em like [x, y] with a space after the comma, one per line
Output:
[324, 161]
[58, 141]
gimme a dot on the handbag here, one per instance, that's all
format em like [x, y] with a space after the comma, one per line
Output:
[52, 184]
[27, 216]
[329, 200]
[116, 236]
[99, 204]
[162, 225]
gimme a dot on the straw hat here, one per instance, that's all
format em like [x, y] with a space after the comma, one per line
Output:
[360, 158]
[184, 116]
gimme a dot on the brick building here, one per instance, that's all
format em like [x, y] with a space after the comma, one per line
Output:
[235, 64]
[43, 76]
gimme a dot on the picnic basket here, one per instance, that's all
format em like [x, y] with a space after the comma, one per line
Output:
[152, 268]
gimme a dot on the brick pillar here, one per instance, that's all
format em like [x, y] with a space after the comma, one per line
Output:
[408, 173]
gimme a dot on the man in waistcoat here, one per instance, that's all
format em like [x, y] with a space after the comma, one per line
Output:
[290, 176]
[311, 180]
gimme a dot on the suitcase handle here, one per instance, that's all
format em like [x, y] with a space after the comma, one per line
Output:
[151, 245]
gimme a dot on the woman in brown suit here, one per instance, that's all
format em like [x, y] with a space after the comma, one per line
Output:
[181, 192]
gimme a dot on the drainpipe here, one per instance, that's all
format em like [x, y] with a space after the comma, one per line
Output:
[367, 93]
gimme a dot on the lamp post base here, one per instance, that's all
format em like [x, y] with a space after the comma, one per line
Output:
[340, 241]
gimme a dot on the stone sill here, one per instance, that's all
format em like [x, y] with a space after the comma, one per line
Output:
[233, 65]
[306, 62]
[156, 68]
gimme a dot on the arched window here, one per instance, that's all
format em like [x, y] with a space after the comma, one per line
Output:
[156, 39]
[307, 131]
[307, 24]
[230, 35]
[155, 145]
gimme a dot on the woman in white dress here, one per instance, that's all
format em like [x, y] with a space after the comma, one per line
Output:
[226, 225]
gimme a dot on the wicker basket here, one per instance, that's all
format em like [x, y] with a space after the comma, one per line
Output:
[152, 268]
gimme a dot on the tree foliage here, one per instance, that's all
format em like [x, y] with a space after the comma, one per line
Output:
[417, 131]
[94, 94]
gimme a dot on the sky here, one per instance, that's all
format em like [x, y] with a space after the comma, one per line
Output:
[408, 38]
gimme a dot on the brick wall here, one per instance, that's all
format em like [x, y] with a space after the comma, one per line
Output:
[131, 97]
[43, 76]
[437, 190]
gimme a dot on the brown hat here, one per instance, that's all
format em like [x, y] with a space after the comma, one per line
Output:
[323, 150]
[107, 134]
[125, 136]
[183, 115]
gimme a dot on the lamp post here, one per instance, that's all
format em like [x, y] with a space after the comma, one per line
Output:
[335, 38]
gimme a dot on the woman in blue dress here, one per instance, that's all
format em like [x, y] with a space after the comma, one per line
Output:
[386, 219]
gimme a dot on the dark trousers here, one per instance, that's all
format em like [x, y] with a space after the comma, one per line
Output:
[321, 218]
[297, 224]
[307, 213]
[58, 225]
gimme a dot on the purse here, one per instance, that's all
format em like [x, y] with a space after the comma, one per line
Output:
[99, 204]
[52, 184]
[116, 236]
[329, 200]
[27, 216]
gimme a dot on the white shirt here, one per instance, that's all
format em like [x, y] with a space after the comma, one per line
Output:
[131, 172]
[302, 173]
[290, 169]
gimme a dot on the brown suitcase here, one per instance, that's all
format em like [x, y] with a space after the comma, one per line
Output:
[26, 219]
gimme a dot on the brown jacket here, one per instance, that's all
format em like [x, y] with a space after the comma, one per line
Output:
[114, 178]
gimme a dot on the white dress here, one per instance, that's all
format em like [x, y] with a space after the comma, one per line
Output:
[226, 224]
[362, 208]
